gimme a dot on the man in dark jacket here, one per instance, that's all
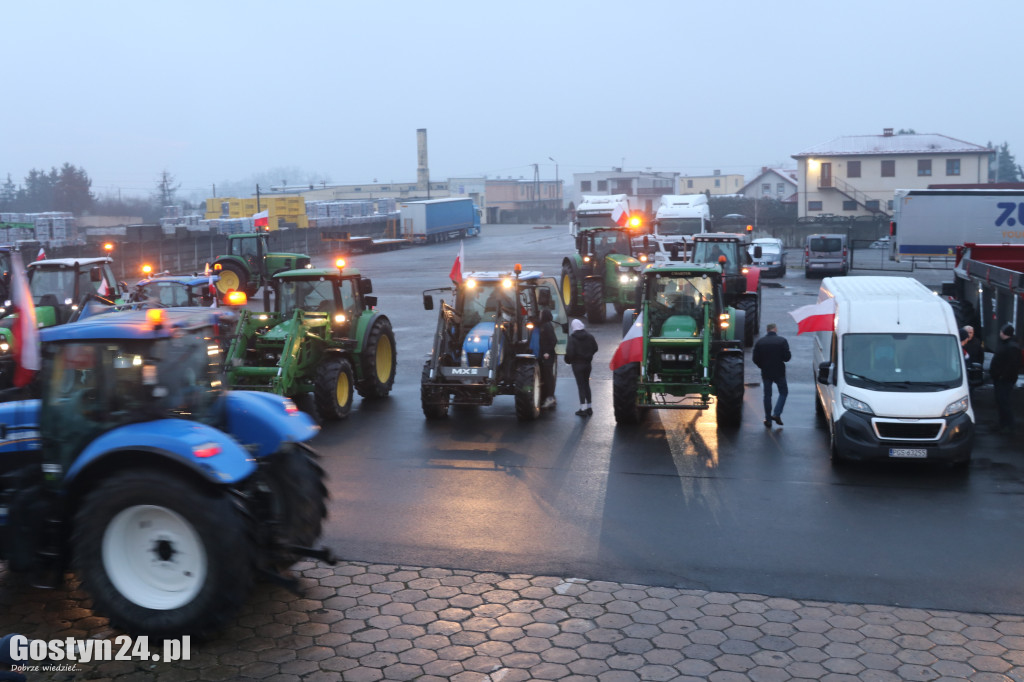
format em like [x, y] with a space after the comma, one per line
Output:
[579, 352]
[771, 353]
[546, 358]
[1004, 368]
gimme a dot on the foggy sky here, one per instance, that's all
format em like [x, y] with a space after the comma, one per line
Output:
[221, 91]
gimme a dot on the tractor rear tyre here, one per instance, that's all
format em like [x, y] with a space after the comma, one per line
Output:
[162, 556]
[332, 389]
[299, 500]
[570, 293]
[528, 391]
[625, 385]
[750, 320]
[232, 277]
[379, 361]
[593, 299]
[729, 390]
[435, 401]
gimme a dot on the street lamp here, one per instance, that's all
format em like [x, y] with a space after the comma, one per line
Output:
[558, 186]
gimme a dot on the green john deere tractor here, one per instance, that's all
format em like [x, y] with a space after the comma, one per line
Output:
[683, 349]
[249, 264]
[322, 341]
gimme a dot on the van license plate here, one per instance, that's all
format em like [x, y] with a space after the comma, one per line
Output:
[918, 453]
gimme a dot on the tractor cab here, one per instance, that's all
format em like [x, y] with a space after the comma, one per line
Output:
[61, 287]
[249, 264]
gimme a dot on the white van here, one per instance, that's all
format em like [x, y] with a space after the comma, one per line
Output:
[890, 378]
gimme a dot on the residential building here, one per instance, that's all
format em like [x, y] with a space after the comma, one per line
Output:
[858, 174]
[506, 195]
[644, 188]
[772, 183]
[716, 183]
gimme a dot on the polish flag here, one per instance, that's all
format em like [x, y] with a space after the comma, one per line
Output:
[815, 318]
[631, 348]
[262, 219]
[456, 274]
[104, 288]
[41, 255]
[620, 216]
[25, 331]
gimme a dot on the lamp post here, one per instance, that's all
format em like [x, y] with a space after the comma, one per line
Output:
[558, 187]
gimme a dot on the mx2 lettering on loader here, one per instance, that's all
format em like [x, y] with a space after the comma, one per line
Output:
[323, 340]
[482, 343]
[683, 348]
[164, 492]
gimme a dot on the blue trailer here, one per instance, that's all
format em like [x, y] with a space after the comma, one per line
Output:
[438, 220]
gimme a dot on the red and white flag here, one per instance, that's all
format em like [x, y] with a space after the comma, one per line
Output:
[104, 288]
[41, 255]
[815, 318]
[620, 216]
[25, 331]
[631, 348]
[262, 219]
[456, 274]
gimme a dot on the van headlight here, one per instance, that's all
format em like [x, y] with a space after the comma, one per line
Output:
[856, 405]
[957, 407]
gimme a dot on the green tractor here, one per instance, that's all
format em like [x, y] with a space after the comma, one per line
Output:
[682, 350]
[249, 264]
[322, 340]
[603, 270]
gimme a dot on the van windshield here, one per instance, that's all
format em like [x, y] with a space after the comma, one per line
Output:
[902, 362]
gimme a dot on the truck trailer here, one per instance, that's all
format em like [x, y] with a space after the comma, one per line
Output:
[934, 222]
[438, 220]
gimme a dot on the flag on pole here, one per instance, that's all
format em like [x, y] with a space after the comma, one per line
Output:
[631, 348]
[456, 274]
[24, 330]
[620, 216]
[815, 318]
[262, 219]
[41, 255]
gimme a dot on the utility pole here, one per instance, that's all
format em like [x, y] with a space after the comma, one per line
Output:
[536, 187]
[558, 187]
[258, 209]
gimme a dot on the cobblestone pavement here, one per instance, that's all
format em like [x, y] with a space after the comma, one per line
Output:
[358, 621]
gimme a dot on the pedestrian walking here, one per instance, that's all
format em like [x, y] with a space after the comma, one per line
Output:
[973, 352]
[771, 353]
[1004, 368]
[546, 356]
[579, 352]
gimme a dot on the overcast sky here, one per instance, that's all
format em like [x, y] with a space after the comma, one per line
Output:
[224, 91]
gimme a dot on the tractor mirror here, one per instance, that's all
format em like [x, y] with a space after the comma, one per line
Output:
[369, 301]
[365, 286]
[95, 275]
[428, 302]
[823, 370]
[757, 252]
[544, 297]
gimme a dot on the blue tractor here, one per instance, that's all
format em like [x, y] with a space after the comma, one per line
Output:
[164, 492]
[482, 343]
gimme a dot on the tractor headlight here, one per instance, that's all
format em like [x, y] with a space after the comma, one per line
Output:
[340, 318]
[624, 278]
[723, 320]
[586, 259]
[669, 357]
[5, 347]
[857, 405]
[953, 408]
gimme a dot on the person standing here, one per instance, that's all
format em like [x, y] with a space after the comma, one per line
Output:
[579, 353]
[547, 341]
[771, 353]
[1004, 368]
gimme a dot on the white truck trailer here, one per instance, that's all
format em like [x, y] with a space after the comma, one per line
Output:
[933, 222]
[679, 217]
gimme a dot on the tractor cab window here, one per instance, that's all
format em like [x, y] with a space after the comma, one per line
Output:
[246, 246]
[58, 286]
[349, 303]
[681, 295]
[167, 294]
[483, 301]
[712, 252]
[309, 295]
[605, 242]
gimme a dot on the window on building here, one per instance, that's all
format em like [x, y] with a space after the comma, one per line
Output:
[813, 205]
[623, 187]
[952, 166]
[689, 184]
[602, 185]
[780, 188]
[871, 204]
[718, 183]
[585, 186]
[849, 205]
[889, 169]
[853, 169]
[924, 167]
[766, 188]
[357, 189]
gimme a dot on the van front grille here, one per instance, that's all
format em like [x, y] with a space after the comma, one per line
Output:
[909, 430]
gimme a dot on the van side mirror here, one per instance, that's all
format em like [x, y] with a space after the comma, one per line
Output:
[428, 302]
[365, 286]
[823, 372]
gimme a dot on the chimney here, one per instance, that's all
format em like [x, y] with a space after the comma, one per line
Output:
[422, 170]
[886, 132]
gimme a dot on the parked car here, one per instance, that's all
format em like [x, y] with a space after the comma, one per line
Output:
[882, 243]
[773, 256]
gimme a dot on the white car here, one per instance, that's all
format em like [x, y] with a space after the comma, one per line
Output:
[882, 243]
[773, 256]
